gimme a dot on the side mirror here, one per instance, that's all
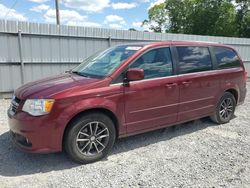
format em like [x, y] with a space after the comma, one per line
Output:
[134, 74]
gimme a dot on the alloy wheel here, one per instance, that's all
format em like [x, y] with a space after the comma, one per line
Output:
[92, 138]
[226, 109]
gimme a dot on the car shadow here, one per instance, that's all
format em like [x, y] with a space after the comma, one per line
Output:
[16, 163]
[145, 139]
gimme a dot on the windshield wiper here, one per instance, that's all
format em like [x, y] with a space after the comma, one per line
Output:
[79, 73]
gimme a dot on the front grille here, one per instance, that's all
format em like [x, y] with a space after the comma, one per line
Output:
[14, 105]
[17, 100]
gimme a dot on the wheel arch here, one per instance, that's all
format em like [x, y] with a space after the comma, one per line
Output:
[104, 111]
[235, 93]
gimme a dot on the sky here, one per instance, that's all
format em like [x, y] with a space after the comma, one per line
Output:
[116, 14]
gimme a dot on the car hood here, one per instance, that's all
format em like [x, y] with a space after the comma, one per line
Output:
[50, 86]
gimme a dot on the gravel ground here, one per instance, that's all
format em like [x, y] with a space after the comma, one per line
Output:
[194, 154]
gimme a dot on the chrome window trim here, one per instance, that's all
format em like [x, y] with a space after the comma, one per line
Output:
[146, 80]
[153, 48]
[178, 75]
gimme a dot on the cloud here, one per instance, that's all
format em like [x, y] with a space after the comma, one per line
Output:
[143, 1]
[114, 18]
[155, 2]
[39, 8]
[11, 14]
[120, 5]
[115, 26]
[65, 16]
[69, 17]
[87, 5]
[137, 24]
[39, 1]
[115, 21]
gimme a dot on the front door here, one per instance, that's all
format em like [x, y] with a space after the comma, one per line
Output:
[152, 102]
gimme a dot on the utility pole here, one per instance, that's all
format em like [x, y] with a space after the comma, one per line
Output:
[57, 12]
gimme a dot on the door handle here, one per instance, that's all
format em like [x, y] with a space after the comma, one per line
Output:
[186, 83]
[170, 85]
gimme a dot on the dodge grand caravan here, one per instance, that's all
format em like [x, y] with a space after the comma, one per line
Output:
[126, 90]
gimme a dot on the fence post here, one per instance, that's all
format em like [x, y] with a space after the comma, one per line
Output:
[21, 55]
[110, 41]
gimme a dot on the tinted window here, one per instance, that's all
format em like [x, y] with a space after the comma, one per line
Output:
[226, 57]
[194, 59]
[104, 63]
[155, 63]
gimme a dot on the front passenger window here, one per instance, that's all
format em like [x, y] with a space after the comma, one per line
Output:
[155, 63]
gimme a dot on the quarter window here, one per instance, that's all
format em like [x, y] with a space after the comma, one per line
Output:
[155, 63]
[194, 59]
[226, 58]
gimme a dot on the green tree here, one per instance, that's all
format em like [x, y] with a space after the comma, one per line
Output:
[210, 17]
[157, 18]
[202, 17]
[132, 29]
[243, 17]
[179, 14]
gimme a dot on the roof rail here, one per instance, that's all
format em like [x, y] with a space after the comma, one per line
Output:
[195, 41]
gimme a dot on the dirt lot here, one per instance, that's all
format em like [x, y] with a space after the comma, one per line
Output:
[195, 154]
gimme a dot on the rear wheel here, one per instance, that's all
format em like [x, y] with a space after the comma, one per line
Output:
[90, 138]
[225, 109]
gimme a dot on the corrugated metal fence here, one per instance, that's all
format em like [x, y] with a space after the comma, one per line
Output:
[29, 51]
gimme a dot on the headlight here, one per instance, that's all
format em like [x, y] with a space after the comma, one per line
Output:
[38, 107]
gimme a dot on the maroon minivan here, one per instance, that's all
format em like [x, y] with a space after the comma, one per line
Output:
[126, 90]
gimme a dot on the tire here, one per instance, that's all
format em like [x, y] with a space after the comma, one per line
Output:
[224, 109]
[90, 138]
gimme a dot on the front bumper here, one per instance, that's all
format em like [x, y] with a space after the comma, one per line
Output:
[35, 134]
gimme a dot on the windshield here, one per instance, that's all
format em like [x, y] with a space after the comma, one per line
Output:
[104, 63]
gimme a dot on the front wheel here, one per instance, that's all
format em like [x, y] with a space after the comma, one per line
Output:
[225, 109]
[90, 138]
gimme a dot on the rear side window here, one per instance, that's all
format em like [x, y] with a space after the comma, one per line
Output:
[193, 59]
[226, 58]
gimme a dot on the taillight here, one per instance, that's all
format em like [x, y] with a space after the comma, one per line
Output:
[246, 76]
